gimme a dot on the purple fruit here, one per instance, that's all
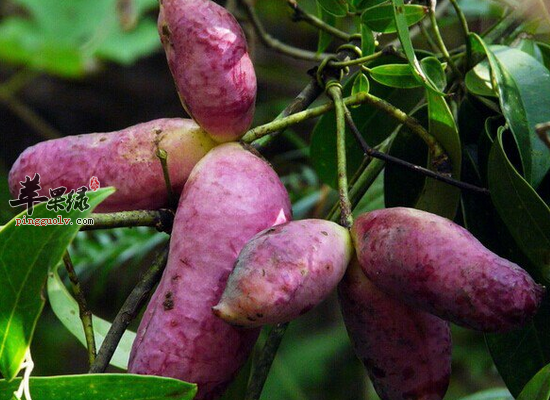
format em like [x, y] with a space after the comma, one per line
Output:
[407, 352]
[207, 54]
[284, 272]
[438, 266]
[125, 159]
[230, 196]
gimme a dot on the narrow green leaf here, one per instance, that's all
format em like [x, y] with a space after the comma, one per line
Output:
[478, 80]
[27, 252]
[338, 8]
[491, 394]
[66, 309]
[525, 214]
[538, 388]
[435, 71]
[103, 387]
[325, 38]
[520, 79]
[381, 18]
[399, 76]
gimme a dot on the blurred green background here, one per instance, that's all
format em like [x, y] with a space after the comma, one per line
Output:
[76, 66]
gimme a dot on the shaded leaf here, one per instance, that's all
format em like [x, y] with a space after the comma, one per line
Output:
[367, 41]
[395, 75]
[338, 8]
[381, 18]
[325, 38]
[27, 252]
[491, 394]
[360, 84]
[103, 387]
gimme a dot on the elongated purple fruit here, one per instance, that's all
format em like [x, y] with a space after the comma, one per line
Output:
[407, 352]
[207, 54]
[284, 272]
[230, 196]
[125, 159]
[434, 264]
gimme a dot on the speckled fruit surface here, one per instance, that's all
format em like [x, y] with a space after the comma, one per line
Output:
[285, 271]
[407, 352]
[208, 56]
[230, 196]
[125, 159]
[434, 264]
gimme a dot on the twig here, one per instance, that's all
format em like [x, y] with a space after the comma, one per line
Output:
[439, 39]
[301, 15]
[267, 355]
[369, 151]
[465, 31]
[161, 219]
[362, 60]
[334, 91]
[162, 155]
[542, 131]
[283, 123]
[133, 304]
[85, 314]
[272, 43]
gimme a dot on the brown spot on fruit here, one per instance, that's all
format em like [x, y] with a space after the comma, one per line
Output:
[168, 302]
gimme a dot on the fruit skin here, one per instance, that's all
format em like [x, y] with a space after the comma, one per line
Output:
[407, 352]
[230, 196]
[207, 53]
[432, 263]
[284, 272]
[125, 159]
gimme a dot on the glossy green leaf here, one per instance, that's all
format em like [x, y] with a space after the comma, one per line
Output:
[404, 36]
[325, 38]
[66, 309]
[525, 214]
[27, 252]
[338, 8]
[373, 124]
[103, 387]
[491, 394]
[435, 71]
[360, 84]
[68, 37]
[520, 79]
[398, 76]
[538, 388]
[478, 80]
[367, 41]
[381, 18]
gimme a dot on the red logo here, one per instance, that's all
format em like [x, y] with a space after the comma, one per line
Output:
[94, 183]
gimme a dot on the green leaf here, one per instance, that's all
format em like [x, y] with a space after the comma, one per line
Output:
[103, 387]
[438, 197]
[520, 80]
[435, 71]
[545, 52]
[381, 18]
[478, 80]
[68, 37]
[403, 33]
[361, 5]
[373, 124]
[66, 309]
[398, 76]
[360, 84]
[538, 388]
[491, 394]
[338, 8]
[367, 41]
[27, 252]
[325, 38]
[523, 211]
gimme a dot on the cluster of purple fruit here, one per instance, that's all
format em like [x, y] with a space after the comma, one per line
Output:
[237, 263]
